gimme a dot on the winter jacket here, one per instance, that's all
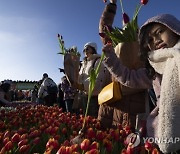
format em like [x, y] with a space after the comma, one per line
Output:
[139, 78]
[43, 90]
[69, 92]
[133, 101]
[103, 76]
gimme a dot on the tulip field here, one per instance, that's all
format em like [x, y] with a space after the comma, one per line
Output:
[38, 129]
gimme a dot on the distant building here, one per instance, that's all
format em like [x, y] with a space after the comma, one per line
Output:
[24, 85]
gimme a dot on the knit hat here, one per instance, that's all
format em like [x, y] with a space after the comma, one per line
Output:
[91, 44]
[167, 20]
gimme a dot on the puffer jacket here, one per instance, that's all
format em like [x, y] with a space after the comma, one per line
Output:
[125, 111]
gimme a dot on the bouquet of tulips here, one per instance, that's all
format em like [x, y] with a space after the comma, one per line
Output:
[71, 61]
[129, 30]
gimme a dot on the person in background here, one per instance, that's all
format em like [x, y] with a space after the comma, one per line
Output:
[48, 91]
[159, 39]
[61, 102]
[34, 94]
[4, 89]
[90, 61]
[69, 93]
[20, 95]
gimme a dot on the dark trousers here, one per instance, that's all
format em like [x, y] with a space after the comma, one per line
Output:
[50, 99]
[93, 106]
[69, 104]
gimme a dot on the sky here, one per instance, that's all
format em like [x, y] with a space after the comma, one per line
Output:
[29, 28]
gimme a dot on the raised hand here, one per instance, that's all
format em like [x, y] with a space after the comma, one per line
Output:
[113, 1]
[108, 48]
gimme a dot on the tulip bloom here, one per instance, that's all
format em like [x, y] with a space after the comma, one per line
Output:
[125, 18]
[85, 144]
[148, 146]
[15, 138]
[52, 143]
[24, 148]
[8, 146]
[144, 2]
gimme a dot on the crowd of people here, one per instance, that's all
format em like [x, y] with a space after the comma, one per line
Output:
[150, 87]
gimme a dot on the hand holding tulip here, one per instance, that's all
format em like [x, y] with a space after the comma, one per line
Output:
[113, 1]
[108, 48]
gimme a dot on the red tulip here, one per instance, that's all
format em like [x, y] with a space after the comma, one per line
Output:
[52, 143]
[85, 144]
[62, 150]
[64, 130]
[97, 125]
[148, 146]
[108, 145]
[3, 150]
[100, 135]
[15, 138]
[36, 141]
[22, 142]
[24, 148]
[92, 151]
[103, 35]
[66, 143]
[90, 133]
[8, 146]
[34, 134]
[57, 137]
[5, 140]
[74, 147]
[144, 2]
[124, 151]
[155, 151]
[68, 150]
[2, 124]
[130, 149]
[24, 136]
[7, 134]
[94, 145]
[125, 18]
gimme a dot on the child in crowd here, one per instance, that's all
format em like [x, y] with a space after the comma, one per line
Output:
[160, 49]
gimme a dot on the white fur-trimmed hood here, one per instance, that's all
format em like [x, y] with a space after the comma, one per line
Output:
[166, 62]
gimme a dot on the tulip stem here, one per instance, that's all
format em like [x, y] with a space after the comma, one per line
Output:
[121, 6]
[137, 11]
[93, 77]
